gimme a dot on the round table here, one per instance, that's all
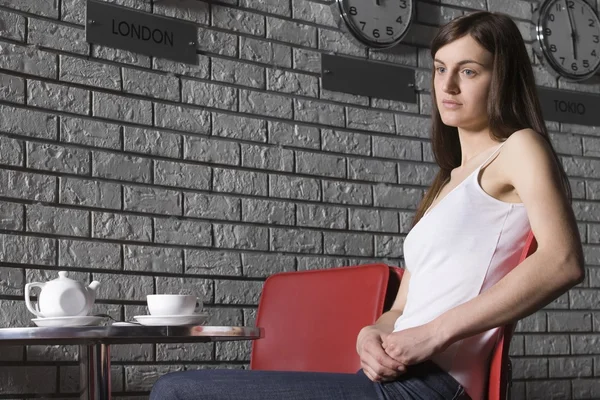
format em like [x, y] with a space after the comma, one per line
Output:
[94, 344]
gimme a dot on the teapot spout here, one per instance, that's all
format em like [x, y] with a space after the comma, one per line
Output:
[94, 285]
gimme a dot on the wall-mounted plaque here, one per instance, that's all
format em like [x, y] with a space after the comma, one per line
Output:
[140, 32]
[368, 78]
[570, 107]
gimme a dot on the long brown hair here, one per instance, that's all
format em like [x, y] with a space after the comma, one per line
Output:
[512, 101]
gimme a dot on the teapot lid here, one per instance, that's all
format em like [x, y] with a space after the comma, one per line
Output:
[63, 275]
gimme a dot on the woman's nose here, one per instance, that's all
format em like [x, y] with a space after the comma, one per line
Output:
[450, 85]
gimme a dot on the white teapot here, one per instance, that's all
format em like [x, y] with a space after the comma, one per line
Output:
[62, 297]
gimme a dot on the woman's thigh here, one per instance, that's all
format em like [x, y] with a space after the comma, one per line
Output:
[422, 382]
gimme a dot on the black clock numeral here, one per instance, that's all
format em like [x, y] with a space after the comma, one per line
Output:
[402, 3]
[593, 54]
[571, 4]
[551, 17]
[553, 48]
[596, 38]
[592, 22]
[574, 67]
[562, 60]
[389, 31]
[399, 19]
[586, 63]
[547, 31]
[376, 33]
[353, 11]
[363, 23]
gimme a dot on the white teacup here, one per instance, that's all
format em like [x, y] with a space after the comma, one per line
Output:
[173, 304]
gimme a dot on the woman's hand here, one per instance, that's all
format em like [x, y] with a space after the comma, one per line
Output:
[377, 365]
[414, 345]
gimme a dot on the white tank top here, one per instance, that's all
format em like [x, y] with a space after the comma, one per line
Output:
[459, 249]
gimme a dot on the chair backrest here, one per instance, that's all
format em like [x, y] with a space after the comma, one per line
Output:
[500, 367]
[311, 318]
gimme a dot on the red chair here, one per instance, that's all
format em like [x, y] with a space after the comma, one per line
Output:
[311, 318]
[500, 380]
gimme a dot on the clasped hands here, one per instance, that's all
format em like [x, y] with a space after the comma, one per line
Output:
[386, 356]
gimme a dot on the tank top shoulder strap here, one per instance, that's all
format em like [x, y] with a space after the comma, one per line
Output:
[491, 156]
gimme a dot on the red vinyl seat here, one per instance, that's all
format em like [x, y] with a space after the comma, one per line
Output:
[311, 320]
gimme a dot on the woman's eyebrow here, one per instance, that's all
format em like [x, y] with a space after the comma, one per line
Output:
[461, 62]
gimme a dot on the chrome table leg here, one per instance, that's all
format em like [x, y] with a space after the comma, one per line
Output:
[94, 365]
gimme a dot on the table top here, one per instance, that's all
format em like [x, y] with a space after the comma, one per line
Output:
[127, 334]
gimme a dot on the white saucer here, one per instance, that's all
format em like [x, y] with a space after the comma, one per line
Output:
[163, 320]
[68, 321]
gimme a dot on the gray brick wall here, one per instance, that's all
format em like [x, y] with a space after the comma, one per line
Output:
[158, 176]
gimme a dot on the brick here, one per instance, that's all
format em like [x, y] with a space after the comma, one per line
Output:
[27, 250]
[586, 388]
[389, 246]
[238, 21]
[212, 206]
[291, 32]
[237, 181]
[547, 345]
[396, 197]
[293, 187]
[233, 351]
[120, 56]
[211, 262]
[317, 13]
[202, 288]
[27, 60]
[150, 141]
[201, 69]
[570, 367]
[575, 166]
[588, 211]
[351, 244]
[372, 170]
[121, 227]
[373, 220]
[12, 88]
[319, 112]
[570, 321]
[347, 193]
[318, 216]
[222, 43]
[584, 299]
[238, 73]
[293, 83]
[122, 108]
[237, 292]
[123, 287]
[152, 259]
[315, 263]
[140, 378]
[90, 132]
[296, 240]
[416, 174]
[182, 175]
[11, 216]
[567, 144]
[12, 282]
[185, 232]
[265, 52]
[86, 72]
[266, 104]
[585, 344]
[409, 125]
[348, 98]
[560, 303]
[50, 157]
[150, 84]
[270, 6]
[402, 54]
[152, 200]
[90, 193]
[294, 135]
[435, 15]
[27, 122]
[188, 10]
[58, 97]
[182, 118]
[209, 95]
[346, 142]
[203, 149]
[73, 11]
[55, 36]
[122, 167]
[553, 389]
[332, 41]
[307, 60]
[397, 148]
[27, 186]
[533, 323]
[238, 127]
[85, 254]
[370, 120]
[241, 237]
[320, 164]
[57, 221]
[123, 352]
[12, 151]
[184, 352]
[46, 8]
[28, 379]
[264, 265]
[526, 368]
[12, 353]
[263, 157]
[13, 26]
[268, 211]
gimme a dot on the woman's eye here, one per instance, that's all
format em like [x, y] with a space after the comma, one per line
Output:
[469, 72]
[440, 70]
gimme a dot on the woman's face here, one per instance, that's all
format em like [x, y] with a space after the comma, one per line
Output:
[462, 77]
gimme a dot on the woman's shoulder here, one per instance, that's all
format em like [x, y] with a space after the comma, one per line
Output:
[526, 144]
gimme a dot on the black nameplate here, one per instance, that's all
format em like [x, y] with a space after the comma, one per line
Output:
[140, 32]
[368, 78]
[570, 107]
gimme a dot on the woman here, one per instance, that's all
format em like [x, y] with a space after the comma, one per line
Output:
[499, 177]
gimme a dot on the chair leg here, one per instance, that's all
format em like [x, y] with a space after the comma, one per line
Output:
[508, 379]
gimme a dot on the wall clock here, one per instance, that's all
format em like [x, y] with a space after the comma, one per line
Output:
[377, 24]
[568, 38]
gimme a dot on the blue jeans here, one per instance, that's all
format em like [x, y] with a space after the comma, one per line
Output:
[425, 381]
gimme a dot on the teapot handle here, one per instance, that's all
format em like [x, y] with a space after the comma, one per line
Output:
[30, 307]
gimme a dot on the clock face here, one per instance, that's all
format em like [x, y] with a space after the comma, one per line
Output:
[377, 23]
[569, 34]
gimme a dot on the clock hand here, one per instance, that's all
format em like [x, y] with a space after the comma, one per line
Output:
[573, 33]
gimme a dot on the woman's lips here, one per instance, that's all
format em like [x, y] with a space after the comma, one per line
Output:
[451, 105]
